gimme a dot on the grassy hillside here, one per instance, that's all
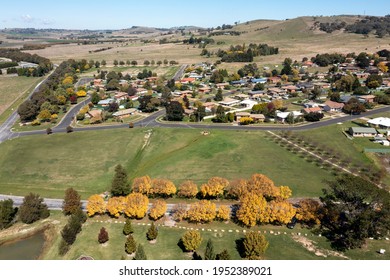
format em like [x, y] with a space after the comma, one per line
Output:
[296, 38]
[48, 164]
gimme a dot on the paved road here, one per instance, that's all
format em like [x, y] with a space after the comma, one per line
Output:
[5, 128]
[56, 204]
[180, 72]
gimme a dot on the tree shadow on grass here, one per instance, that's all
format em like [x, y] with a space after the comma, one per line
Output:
[240, 247]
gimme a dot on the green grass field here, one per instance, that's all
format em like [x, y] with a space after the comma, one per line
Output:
[282, 242]
[13, 91]
[48, 164]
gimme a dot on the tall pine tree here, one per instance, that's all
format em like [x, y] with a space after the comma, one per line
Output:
[120, 185]
[130, 245]
[209, 253]
[128, 228]
[152, 232]
[140, 253]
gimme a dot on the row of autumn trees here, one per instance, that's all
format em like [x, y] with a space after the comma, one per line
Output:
[215, 188]
[260, 201]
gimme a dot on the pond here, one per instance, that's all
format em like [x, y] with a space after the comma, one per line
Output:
[26, 249]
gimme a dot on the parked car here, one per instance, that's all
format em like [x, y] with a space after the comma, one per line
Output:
[292, 223]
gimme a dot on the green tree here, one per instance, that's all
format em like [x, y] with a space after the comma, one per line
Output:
[224, 255]
[191, 240]
[95, 98]
[71, 201]
[128, 228]
[255, 245]
[115, 62]
[353, 210]
[140, 253]
[7, 213]
[103, 235]
[71, 229]
[220, 116]
[120, 185]
[28, 110]
[218, 95]
[174, 111]
[152, 232]
[287, 69]
[209, 253]
[33, 209]
[130, 245]
[200, 113]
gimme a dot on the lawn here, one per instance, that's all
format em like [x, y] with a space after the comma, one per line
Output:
[282, 241]
[48, 164]
[352, 150]
[13, 90]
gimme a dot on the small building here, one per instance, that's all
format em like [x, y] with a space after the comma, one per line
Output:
[274, 80]
[257, 117]
[258, 80]
[204, 89]
[362, 131]
[306, 111]
[105, 102]
[380, 122]
[331, 106]
[367, 98]
[248, 103]
[95, 116]
[222, 85]
[240, 115]
[124, 113]
[229, 102]
[187, 80]
[121, 96]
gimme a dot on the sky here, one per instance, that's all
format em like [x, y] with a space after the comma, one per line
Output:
[120, 14]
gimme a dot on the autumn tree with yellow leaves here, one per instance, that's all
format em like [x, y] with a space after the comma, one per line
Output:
[142, 185]
[223, 213]
[203, 211]
[136, 205]
[308, 212]
[95, 205]
[214, 188]
[279, 212]
[237, 188]
[115, 206]
[158, 209]
[252, 209]
[263, 185]
[188, 189]
[191, 240]
[162, 187]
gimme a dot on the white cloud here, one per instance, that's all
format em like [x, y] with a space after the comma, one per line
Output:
[47, 21]
[27, 18]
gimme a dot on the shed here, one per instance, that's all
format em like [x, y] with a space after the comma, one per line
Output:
[362, 131]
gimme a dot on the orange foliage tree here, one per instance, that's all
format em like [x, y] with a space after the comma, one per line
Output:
[188, 189]
[136, 205]
[163, 188]
[252, 209]
[223, 213]
[115, 206]
[158, 209]
[203, 211]
[95, 205]
[308, 212]
[260, 183]
[279, 212]
[237, 188]
[214, 188]
[284, 192]
[142, 185]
